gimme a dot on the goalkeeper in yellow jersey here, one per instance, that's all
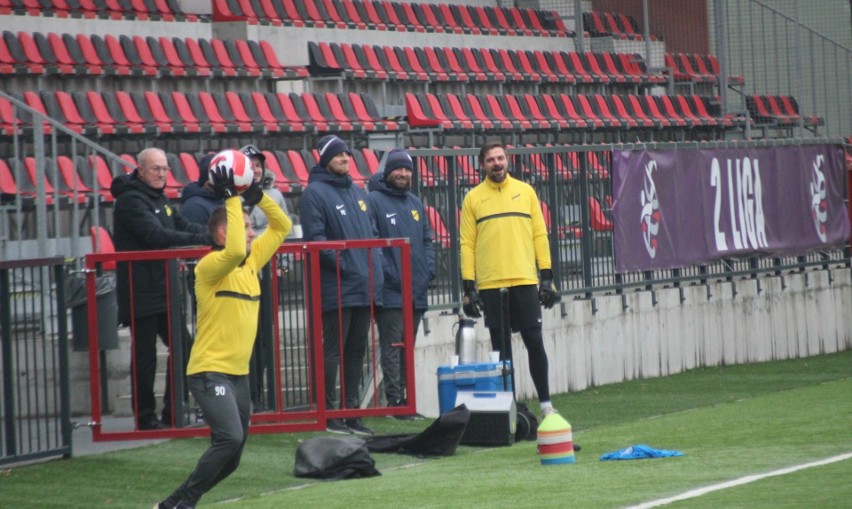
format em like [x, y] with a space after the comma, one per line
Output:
[504, 245]
[228, 294]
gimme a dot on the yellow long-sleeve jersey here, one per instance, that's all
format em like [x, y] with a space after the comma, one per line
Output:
[228, 292]
[503, 235]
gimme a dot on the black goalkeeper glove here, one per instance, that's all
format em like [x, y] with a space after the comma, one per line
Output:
[252, 195]
[471, 303]
[222, 180]
[548, 294]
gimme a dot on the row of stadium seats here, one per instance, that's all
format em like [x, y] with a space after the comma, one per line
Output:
[396, 16]
[105, 114]
[560, 112]
[290, 167]
[697, 68]
[778, 111]
[437, 64]
[566, 166]
[155, 10]
[83, 174]
[51, 53]
[612, 24]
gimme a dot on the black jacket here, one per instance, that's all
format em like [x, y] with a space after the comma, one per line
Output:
[144, 220]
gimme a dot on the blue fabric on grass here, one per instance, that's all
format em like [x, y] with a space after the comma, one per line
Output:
[639, 452]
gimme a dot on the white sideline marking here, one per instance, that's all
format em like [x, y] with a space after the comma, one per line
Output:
[739, 482]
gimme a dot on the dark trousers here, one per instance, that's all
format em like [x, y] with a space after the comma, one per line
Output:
[226, 404]
[345, 332]
[524, 316]
[391, 339]
[145, 332]
[262, 363]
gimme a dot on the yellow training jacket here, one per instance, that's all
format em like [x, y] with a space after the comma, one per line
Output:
[228, 292]
[503, 235]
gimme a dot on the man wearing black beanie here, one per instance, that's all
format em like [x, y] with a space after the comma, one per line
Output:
[399, 214]
[332, 208]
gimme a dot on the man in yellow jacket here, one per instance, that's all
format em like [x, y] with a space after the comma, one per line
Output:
[228, 294]
[504, 245]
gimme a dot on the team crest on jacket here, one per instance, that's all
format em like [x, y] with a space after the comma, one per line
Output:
[168, 209]
[415, 215]
[363, 205]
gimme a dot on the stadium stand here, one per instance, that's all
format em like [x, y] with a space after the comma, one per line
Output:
[595, 112]
[153, 10]
[165, 82]
[478, 64]
[394, 16]
[695, 69]
[612, 24]
[204, 112]
[779, 111]
[38, 54]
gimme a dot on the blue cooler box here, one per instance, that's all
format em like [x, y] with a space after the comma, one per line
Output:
[469, 377]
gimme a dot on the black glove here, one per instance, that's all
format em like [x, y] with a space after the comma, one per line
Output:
[222, 180]
[548, 294]
[252, 195]
[471, 303]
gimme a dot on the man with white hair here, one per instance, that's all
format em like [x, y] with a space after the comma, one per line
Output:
[144, 220]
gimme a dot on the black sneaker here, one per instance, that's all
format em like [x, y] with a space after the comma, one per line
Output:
[153, 423]
[406, 417]
[357, 427]
[410, 417]
[337, 426]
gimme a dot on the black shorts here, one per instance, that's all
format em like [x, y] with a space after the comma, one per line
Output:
[524, 308]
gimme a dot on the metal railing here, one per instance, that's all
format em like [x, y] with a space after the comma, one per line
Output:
[574, 186]
[51, 211]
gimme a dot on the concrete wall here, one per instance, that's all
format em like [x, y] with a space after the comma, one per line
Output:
[798, 315]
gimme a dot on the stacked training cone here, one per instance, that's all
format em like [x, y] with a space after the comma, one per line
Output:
[555, 443]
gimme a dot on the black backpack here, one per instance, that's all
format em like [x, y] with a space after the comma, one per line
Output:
[527, 424]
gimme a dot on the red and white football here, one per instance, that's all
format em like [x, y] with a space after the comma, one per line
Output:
[238, 162]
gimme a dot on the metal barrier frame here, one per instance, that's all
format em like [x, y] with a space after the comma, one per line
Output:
[312, 418]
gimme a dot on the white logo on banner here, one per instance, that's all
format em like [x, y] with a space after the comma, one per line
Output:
[742, 192]
[650, 210]
[819, 206]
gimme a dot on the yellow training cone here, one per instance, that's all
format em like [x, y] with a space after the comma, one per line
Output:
[555, 444]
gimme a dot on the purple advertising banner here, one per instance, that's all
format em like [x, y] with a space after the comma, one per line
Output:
[673, 208]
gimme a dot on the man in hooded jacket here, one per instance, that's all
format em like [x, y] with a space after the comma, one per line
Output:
[198, 200]
[333, 208]
[145, 220]
[399, 214]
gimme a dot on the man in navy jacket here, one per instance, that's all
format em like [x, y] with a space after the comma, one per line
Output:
[399, 214]
[198, 200]
[332, 208]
